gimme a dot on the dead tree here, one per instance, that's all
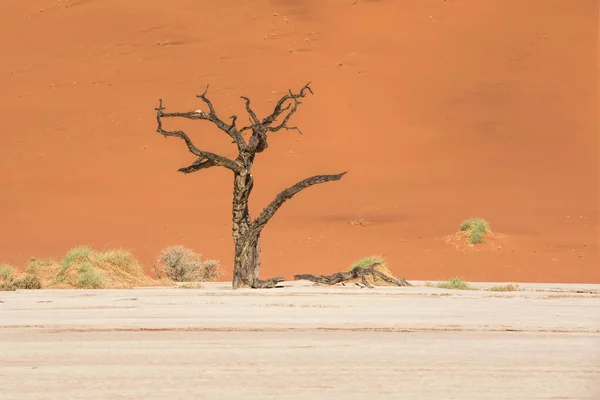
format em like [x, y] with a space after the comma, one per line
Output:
[355, 273]
[245, 230]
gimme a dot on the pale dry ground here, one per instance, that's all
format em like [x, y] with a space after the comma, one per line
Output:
[301, 342]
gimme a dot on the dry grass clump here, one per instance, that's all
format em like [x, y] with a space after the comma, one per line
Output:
[81, 268]
[84, 268]
[509, 287]
[456, 283]
[190, 285]
[476, 229]
[181, 264]
[10, 280]
[7, 272]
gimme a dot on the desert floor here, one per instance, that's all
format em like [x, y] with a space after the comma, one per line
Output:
[440, 111]
[301, 342]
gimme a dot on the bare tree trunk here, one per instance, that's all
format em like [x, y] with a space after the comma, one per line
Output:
[246, 267]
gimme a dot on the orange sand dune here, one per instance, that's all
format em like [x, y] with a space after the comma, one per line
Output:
[440, 110]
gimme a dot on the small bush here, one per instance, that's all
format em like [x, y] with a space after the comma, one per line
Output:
[505, 288]
[7, 286]
[454, 283]
[367, 262]
[78, 270]
[181, 264]
[29, 282]
[7, 273]
[9, 281]
[476, 229]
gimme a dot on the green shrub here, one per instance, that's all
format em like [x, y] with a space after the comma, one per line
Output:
[7, 273]
[454, 283]
[89, 277]
[366, 262]
[476, 229]
[76, 255]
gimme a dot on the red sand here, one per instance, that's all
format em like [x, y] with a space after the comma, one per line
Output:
[439, 110]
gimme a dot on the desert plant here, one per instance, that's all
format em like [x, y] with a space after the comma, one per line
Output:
[509, 287]
[476, 229]
[28, 282]
[6, 286]
[456, 282]
[85, 268]
[181, 264]
[7, 273]
[89, 277]
[367, 262]
[76, 255]
[119, 258]
[34, 265]
[211, 270]
[246, 231]
[78, 269]
[10, 281]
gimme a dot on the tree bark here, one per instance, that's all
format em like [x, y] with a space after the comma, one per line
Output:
[246, 267]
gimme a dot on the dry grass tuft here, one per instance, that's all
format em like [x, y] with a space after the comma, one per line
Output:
[456, 283]
[81, 268]
[190, 285]
[11, 281]
[84, 268]
[7, 272]
[28, 282]
[505, 288]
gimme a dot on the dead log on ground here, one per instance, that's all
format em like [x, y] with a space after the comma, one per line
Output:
[354, 273]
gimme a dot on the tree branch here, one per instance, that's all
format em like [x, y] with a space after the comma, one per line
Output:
[211, 116]
[251, 113]
[287, 194]
[277, 112]
[205, 159]
[355, 273]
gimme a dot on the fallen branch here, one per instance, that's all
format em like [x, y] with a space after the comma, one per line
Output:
[354, 273]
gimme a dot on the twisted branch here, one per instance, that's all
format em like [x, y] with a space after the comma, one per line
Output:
[355, 273]
[277, 112]
[211, 116]
[205, 159]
